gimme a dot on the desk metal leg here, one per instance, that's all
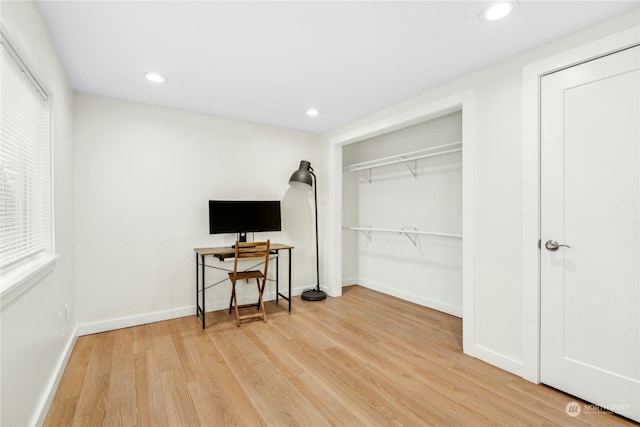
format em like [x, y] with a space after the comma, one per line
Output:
[203, 292]
[290, 280]
[197, 288]
[277, 276]
[278, 294]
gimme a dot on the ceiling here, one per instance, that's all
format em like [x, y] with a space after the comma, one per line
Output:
[268, 62]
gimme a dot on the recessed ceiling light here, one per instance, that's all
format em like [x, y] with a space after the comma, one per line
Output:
[155, 77]
[497, 11]
[312, 112]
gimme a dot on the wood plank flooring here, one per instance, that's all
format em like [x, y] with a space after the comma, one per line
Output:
[365, 359]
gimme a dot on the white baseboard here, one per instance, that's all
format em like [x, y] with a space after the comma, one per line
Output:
[418, 299]
[54, 382]
[496, 359]
[129, 321]
[159, 316]
[349, 282]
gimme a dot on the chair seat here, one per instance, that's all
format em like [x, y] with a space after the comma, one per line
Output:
[251, 274]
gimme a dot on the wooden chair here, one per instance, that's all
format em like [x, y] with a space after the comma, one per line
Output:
[258, 251]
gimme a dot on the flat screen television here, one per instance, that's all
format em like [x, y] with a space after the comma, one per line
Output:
[244, 216]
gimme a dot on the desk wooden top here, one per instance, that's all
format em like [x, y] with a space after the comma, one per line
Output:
[228, 250]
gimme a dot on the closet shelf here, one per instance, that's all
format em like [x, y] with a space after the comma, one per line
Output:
[411, 232]
[405, 158]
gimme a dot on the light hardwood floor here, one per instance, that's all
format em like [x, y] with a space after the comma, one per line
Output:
[365, 359]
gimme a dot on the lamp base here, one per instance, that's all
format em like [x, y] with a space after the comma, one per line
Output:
[313, 295]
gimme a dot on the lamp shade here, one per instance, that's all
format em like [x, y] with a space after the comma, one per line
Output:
[302, 175]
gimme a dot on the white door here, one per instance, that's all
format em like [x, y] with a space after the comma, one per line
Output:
[590, 207]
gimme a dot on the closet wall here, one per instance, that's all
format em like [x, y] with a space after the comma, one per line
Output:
[423, 195]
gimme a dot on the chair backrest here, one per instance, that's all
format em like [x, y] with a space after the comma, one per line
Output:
[255, 250]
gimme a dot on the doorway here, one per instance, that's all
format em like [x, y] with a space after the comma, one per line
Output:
[590, 231]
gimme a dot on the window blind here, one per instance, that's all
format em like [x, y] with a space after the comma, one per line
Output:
[25, 163]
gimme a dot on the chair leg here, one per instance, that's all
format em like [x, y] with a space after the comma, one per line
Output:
[233, 294]
[235, 304]
[260, 291]
[264, 314]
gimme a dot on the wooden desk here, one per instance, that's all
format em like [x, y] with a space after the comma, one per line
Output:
[228, 252]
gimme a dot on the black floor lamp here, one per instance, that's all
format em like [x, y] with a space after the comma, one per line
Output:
[302, 177]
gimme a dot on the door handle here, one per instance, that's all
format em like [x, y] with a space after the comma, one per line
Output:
[553, 246]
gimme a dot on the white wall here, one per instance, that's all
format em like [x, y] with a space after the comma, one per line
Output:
[428, 272]
[33, 346]
[143, 179]
[498, 299]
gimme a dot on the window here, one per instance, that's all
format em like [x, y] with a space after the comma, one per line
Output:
[25, 167]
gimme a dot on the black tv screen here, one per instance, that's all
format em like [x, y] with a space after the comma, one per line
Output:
[244, 216]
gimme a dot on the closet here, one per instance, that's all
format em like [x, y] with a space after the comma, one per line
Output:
[402, 213]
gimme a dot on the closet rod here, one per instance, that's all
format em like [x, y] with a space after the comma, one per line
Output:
[410, 153]
[406, 157]
[405, 231]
